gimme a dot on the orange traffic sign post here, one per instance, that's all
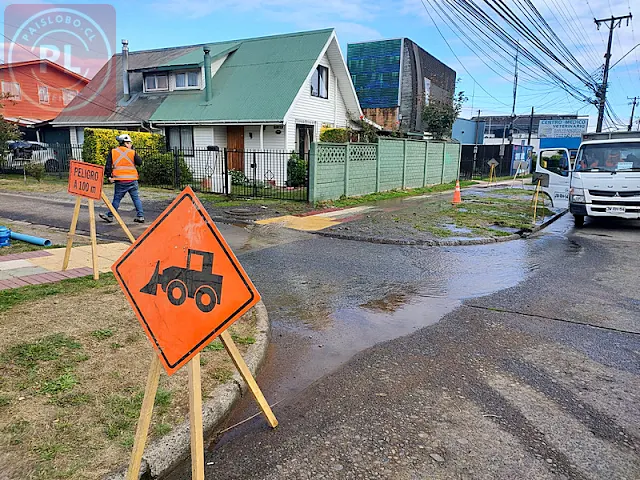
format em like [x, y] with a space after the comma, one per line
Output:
[85, 181]
[186, 287]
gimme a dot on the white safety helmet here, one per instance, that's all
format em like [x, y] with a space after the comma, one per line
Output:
[123, 138]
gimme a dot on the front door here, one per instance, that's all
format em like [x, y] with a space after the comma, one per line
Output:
[553, 169]
[235, 147]
[304, 137]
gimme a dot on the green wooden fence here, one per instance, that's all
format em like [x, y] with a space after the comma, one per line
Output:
[351, 169]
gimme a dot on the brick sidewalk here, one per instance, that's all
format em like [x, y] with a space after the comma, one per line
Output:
[44, 266]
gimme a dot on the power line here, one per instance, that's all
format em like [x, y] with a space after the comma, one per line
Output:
[454, 54]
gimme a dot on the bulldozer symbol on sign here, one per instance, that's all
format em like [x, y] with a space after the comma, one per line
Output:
[205, 287]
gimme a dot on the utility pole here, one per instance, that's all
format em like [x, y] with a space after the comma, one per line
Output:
[633, 110]
[612, 23]
[530, 127]
[515, 91]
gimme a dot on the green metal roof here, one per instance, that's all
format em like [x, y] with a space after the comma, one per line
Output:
[257, 82]
[196, 57]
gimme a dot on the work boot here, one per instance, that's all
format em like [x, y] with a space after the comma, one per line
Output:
[139, 219]
[106, 218]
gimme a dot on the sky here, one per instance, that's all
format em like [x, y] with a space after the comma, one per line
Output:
[165, 23]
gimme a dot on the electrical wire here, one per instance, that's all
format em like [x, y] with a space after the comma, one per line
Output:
[456, 56]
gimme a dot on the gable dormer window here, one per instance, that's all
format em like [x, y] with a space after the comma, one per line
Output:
[188, 79]
[156, 82]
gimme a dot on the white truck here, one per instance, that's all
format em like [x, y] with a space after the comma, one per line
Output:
[602, 181]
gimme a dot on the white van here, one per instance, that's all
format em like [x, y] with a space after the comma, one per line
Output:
[603, 181]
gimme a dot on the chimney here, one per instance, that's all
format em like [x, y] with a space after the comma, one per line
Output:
[207, 73]
[125, 70]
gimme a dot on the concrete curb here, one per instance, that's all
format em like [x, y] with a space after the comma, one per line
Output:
[164, 454]
[440, 243]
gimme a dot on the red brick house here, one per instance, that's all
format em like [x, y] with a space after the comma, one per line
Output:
[39, 90]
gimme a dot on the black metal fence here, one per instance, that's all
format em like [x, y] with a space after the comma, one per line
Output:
[479, 168]
[273, 174]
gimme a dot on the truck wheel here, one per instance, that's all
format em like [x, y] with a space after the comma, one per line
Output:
[206, 298]
[176, 292]
[579, 221]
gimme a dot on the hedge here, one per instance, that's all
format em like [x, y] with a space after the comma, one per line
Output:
[158, 169]
[334, 135]
[98, 142]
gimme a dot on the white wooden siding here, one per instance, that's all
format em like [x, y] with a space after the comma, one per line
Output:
[202, 137]
[220, 136]
[273, 140]
[316, 111]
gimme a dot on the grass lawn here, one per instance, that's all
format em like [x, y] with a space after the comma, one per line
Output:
[74, 361]
[375, 197]
[16, 183]
[491, 214]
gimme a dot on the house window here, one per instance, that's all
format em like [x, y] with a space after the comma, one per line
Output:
[188, 80]
[11, 90]
[182, 139]
[320, 82]
[43, 94]
[158, 82]
[68, 96]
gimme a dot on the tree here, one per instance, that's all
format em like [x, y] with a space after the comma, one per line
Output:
[8, 130]
[438, 115]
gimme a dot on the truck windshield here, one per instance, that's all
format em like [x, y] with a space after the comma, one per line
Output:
[608, 157]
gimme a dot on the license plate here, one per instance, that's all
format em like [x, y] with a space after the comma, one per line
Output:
[616, 209]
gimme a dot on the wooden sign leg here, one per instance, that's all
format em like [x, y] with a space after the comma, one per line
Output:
[240, 364]
[144, 421]
[94, 241]
[195, 419]
[118, 218]
[72, 232]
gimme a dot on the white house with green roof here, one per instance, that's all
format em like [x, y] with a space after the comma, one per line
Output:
[258, 94]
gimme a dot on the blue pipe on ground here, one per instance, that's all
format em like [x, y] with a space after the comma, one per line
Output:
[5, 236]
[43, 242]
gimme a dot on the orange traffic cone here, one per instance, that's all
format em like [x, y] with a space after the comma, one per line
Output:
[456, 194]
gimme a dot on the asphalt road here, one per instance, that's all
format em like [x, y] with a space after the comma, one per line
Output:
[514, 360]
[532, 372]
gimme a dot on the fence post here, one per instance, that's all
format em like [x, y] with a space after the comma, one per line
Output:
[444, 162]
[225, 172]
[311, 187]
[346, 169]
[459, 160]
[426, 162]
[404, 162]
[176, 168]
[377, 145]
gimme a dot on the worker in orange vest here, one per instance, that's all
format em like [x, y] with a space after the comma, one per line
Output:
[120, 169]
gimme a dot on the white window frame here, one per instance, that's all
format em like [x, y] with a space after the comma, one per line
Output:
[315, 73]
[14, 97]
[65, 95]
[45, 89]
[186, 78]
[155, 76]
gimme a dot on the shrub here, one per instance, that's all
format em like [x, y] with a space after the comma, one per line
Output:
[158, 169]
[98, 142]
[296, 171]
[335, 135]
[35, 170]
[238, 177]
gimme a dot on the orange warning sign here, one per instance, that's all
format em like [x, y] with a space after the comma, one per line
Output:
[85, 179]
[183, 281]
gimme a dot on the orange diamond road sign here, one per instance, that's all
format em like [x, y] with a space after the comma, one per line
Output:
[183, 281]
[85, 179]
